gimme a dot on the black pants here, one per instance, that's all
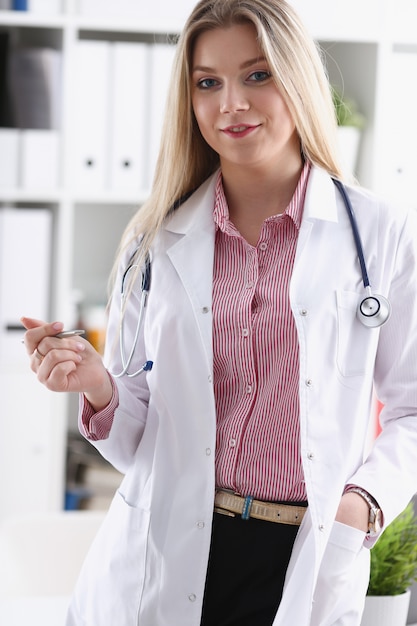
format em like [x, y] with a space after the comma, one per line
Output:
[247, 566]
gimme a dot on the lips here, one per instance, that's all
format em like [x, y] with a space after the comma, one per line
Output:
[239, 130]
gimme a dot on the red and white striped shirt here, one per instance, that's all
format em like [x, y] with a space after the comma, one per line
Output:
[256, 358]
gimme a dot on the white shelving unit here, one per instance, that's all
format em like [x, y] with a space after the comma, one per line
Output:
[362, 51]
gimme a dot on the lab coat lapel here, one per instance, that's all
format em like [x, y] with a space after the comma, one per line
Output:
[192, 255]
[319, 205]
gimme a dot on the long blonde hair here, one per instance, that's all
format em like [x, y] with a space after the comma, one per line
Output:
[185, 159]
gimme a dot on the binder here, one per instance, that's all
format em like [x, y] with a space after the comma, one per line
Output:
[9, 157]
[110, 8]
[25, 274]
[128, 110]
[39, 159]
[400, 133]
[51, 7]
[34, 76]
[162, 56]
[91, 110]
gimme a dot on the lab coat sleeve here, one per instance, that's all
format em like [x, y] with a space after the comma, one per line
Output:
[388, 472]
[120, 443]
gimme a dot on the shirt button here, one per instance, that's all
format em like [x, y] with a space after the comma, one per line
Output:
[245, 332]
[192, 597]
[232, 443]
[263, 246]
[248, 388]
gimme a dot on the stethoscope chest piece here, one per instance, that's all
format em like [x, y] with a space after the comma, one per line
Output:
[374, 311]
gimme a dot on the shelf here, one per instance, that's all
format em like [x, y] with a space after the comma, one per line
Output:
[28, 195]
[31, 20]
[132, 24]
[110, 198]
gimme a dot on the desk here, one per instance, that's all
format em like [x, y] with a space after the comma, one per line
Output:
[36, 611]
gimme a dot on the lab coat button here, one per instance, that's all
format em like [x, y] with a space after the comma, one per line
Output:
[208, 451]
[321, 527]
[210, 378]
[310, 456]
[309, 382]
[303, 312]
[205, 309]
[192, 597]
[200, 525]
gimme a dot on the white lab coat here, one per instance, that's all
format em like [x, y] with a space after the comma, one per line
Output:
[148, 563]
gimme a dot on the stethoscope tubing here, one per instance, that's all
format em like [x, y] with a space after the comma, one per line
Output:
[373, 311]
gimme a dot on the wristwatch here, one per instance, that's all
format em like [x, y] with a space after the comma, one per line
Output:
[375, 513]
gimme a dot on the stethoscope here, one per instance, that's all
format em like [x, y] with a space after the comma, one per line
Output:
[372, 311]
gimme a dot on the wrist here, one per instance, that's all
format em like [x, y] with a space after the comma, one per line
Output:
[374, 511]
[101, 396]
[353, 511]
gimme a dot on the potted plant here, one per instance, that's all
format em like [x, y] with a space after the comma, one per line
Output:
[350, 124]
[393, 571]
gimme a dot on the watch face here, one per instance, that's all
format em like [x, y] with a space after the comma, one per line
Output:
[378, 521]
[375, 521]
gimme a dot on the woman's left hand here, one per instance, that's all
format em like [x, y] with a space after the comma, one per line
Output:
[353, 511]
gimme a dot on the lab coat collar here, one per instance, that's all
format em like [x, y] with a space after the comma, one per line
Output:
[196, 211]
[320, 203]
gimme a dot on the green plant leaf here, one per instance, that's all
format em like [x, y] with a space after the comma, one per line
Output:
[394, 556]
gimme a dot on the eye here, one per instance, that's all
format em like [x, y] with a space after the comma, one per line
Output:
[259, 76]
[207, 83]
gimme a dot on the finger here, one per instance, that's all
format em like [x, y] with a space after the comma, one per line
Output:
[54, 360]
[30, 322]
[37, 331]
[58, 378]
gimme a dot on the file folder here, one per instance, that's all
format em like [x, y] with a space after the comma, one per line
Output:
[25, 275]
[91, 110]
[9, 157]
[129, 112]
[39, 159]
[34, 76]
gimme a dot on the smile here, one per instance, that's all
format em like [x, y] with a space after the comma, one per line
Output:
[240, 130]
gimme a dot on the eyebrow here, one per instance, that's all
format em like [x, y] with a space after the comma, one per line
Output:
[204, 68]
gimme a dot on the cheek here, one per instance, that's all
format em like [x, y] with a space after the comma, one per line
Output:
[199, 112]
[202, 116]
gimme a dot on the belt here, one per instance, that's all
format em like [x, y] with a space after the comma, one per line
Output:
[228, 503]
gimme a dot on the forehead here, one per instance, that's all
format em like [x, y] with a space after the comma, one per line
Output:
[221, 45]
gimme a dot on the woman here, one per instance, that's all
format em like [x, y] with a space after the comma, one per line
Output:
[259, 396]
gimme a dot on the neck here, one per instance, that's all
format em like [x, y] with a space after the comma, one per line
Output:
[254, 194]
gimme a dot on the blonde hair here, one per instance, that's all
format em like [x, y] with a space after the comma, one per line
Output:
[185, 159]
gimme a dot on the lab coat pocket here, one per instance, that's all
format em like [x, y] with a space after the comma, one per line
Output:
[110, 586]
[352, 336]
[343, 578]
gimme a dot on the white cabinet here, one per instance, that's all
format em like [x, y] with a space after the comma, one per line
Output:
[99, 176]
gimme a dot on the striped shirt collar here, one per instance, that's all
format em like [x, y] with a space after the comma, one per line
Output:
[294, 210]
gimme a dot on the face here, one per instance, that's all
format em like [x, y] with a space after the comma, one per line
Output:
[238, 108]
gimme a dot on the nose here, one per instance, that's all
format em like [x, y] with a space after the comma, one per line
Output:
[233, 99]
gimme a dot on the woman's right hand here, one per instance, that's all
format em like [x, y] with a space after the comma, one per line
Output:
[66, 364]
